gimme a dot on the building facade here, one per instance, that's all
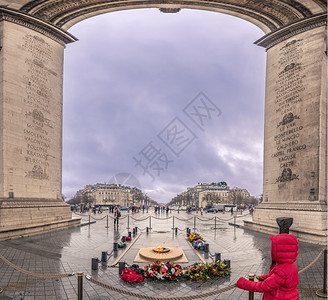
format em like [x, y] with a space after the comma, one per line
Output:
[115, 194]
[209, 194]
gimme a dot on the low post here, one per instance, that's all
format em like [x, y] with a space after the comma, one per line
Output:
[187, 230]
[217, 256]
[128, 222]
[215, 223]
[173, 223]
[206, 248]
[176, 230]
[121, 266]
[227, 263]
[147, 229]
[129, 234]
[94, 263]
[89, 220]
[104, 256]
[251, 294]
[149, 222]
[323, 293]
[107, 222]
[136, 229]
[115, 246]
[194, 223]
[79, 285]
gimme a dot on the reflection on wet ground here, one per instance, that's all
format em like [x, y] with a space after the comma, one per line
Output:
[72, 251]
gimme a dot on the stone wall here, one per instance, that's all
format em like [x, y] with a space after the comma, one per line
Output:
[32, 74]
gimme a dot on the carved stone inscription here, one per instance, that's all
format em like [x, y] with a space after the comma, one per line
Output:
[38, 95]
[288, 94]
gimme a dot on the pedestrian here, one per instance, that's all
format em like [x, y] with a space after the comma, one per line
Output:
[282, 280]
[231, 210]
[117, 214]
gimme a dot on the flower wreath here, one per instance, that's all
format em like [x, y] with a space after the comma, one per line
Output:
[121, 245]
[199, 245]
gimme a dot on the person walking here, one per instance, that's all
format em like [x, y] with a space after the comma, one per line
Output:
[117, 214]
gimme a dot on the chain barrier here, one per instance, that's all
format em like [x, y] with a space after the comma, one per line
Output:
[88, 277]
[312, 263]
[224, 220]
[185, 220]
[243, 215]
[162, 218]
[134, 294]
[142, 229]
[97, 218]
[34, 274]
[204, 219]
[140, 219]
[181, 229]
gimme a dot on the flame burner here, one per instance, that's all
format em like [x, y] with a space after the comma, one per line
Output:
[161, 249]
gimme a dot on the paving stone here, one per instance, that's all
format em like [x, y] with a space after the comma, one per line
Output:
[71, 251]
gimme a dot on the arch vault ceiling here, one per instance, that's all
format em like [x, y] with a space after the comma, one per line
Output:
[269, 15]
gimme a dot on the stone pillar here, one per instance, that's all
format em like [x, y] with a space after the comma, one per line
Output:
[295, 135]
[31, 84]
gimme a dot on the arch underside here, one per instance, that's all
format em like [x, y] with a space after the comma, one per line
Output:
[269, 15]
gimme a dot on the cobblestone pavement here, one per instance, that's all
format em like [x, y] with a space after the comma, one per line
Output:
[72, 250]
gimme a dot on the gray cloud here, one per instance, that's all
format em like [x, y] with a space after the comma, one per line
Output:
[132, 72]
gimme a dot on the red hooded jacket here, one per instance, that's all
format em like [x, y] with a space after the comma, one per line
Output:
[282, 281]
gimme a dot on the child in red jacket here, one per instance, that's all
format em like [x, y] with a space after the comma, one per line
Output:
[282, 281]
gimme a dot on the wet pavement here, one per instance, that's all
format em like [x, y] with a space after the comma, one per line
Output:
[72, 250]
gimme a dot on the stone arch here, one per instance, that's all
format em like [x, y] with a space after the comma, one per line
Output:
[33, 38]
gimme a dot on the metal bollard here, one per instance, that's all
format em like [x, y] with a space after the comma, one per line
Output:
[94, 263]
[79, 285]
[251, 294]
[206, 248]
[121, 266]
[323, 293]
[115, 246]
[107, 223]
[215, 223]
[104, 256]
[217, 256]
[227, 262]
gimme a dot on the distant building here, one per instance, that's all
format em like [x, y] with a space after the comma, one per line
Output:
[209, 194]
[115, 194]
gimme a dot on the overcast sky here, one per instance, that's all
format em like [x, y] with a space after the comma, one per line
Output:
[167, 99]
